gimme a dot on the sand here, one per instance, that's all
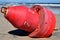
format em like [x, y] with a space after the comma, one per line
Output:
[7, 31]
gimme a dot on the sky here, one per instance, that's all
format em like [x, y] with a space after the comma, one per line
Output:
[31, 1]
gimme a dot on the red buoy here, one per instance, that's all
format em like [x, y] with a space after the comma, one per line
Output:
[39, 21]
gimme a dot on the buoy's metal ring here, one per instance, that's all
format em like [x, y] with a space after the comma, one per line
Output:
[4, 10]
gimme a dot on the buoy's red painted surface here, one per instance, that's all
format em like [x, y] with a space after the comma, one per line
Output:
[23, 18]
[39, 21]
[47, 27]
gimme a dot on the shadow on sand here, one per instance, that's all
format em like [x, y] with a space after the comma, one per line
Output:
[19, 32]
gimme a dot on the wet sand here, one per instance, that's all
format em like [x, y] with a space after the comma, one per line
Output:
[7, 31]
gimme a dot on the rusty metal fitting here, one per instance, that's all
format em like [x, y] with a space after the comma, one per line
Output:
[4, 10]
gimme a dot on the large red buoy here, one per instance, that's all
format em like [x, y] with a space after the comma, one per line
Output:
[39, 21]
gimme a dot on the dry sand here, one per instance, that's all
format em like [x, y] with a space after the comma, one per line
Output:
[6, 27]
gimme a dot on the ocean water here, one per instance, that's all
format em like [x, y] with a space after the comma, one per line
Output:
[54, 9]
